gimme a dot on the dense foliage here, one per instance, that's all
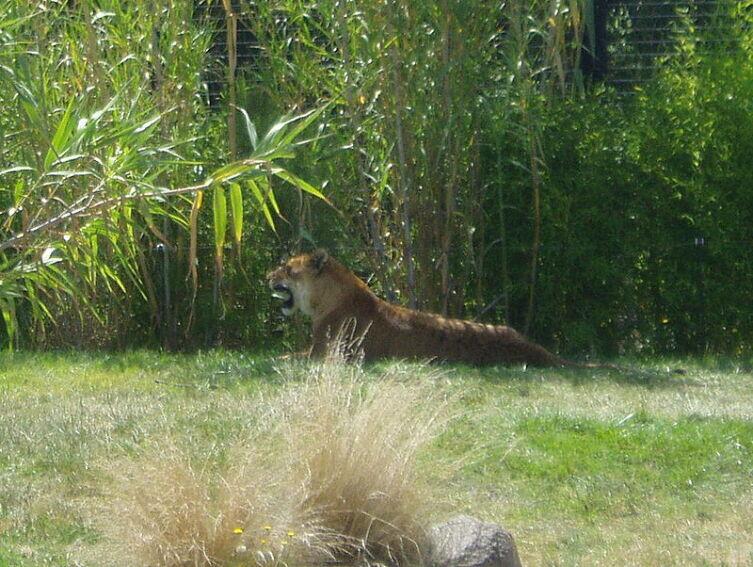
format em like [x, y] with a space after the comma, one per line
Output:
[648, 208]
[109, 146]
[468, 164]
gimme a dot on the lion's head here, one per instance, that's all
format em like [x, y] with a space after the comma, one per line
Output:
[297, 281]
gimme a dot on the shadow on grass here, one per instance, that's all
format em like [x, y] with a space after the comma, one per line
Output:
[224, 369]
[654, 376]
[649, 373]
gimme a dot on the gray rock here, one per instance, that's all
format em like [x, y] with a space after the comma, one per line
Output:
[464, 541]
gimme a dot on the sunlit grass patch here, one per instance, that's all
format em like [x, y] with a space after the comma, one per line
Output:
[635, 488]
[596, 468]
[68, 372]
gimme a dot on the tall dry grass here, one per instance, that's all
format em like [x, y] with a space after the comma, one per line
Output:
[329, 475]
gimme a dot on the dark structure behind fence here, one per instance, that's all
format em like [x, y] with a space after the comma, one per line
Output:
[633, 37]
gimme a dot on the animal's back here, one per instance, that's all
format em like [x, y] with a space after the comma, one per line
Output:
[404, 333]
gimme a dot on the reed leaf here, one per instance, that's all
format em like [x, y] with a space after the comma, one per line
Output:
[299, 183]
[236, 208]
[62, 133]
[219, 209]
[262, 202]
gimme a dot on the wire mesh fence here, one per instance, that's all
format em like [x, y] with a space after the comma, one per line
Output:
[630, 39]
[639, 35]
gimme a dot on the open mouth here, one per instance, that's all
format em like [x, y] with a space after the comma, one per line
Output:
[283, 294]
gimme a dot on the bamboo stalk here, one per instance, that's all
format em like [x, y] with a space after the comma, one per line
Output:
[373, 227]
[231, 18]
[504, 270]
[449, 187]
[92, 52]
[169, 318]
[536, 209]
[404, 183]
[151, 291]
[232, 61]
[193, 259]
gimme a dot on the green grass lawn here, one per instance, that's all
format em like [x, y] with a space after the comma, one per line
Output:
[585, 467]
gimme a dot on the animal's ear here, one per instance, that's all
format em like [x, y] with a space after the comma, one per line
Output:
[319, 259]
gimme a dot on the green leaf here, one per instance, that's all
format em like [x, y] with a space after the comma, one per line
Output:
[256, 192]
[100, 15]
[266, 187]
[219, 203]
[250, 128]
[231, 171]
[278, 139]
[112, 276]
[298, 182]
[7, 23]
[236, 207]
[148, 124]
[9, 316]
[62, 134]
[281, 125]
[16, 169]
[306, 120]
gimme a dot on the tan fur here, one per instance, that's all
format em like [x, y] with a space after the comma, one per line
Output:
[335, 297]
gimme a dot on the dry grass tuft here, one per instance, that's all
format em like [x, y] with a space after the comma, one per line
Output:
[330, 478]
[353, 450]
[167, 511]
